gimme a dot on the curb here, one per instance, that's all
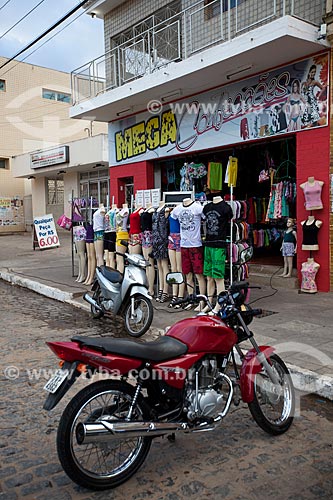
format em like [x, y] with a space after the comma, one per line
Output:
[304, 380]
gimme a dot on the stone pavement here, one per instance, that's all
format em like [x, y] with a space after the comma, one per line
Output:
[299, 325]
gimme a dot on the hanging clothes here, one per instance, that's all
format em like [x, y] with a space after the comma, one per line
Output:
[214, 176]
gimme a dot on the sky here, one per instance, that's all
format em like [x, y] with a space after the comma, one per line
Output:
[80, 42]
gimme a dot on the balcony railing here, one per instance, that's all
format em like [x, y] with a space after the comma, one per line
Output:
[192, 30]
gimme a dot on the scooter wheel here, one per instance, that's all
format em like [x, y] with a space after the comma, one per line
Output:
[138, 320]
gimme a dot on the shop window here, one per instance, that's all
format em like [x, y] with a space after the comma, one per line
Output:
[214, 7]
[4, 163]
[55, 191]
[2, 85]
[53, 95]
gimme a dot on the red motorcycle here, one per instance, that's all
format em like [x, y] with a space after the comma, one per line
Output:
[183, 382]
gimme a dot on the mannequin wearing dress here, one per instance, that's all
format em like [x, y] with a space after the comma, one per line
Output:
[312, 193]
[135, 232]
[189, 214]
[147, 244]
[99, 226]
[310, 229]
[175, 259]
[110, 237]
[122, 234]
[309, 271]
[217, 215]
[160, 248]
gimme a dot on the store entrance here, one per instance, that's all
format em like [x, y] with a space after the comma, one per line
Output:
[266, 169]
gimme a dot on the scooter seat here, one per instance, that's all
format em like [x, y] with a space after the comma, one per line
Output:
[161, 349]
[111, 274]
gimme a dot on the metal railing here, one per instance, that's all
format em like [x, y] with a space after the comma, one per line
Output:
[192, 30]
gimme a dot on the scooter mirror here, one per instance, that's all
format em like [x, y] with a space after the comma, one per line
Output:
[245, 255]
[174, 278]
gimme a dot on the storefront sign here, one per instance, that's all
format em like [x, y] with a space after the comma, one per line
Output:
[46, 232]
[155, 197]
[49, 157]
[11, 214]
[289, 99]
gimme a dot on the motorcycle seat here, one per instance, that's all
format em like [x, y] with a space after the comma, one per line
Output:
[158, 350]
[111, 274]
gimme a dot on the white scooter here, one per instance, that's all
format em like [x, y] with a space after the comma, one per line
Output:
[125, 295]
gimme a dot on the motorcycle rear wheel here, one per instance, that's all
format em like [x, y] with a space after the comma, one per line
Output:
[273, 405]
[96, 313]
[103, 464]
[137, 325]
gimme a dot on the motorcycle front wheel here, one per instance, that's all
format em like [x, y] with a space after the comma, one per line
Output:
[273, 404]
[138, 320]
[110, 461]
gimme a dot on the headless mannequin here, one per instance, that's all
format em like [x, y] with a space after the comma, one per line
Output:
[175, 259]
[135, 237]
[91, 255]
[288, 253]
[122, 234]
[79, 234]
[310, 203]
[162, 265]
[147, 248]
[309, 271]
[310, 220]
[110, 257]
[98, 225]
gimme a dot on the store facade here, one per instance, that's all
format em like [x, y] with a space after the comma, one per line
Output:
[275, 123]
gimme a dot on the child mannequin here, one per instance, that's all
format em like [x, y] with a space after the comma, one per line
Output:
[289, 248]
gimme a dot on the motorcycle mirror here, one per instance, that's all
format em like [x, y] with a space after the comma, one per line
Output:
[174, 278]
[245, 255]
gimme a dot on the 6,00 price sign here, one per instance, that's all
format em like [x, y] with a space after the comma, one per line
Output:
[46, 232]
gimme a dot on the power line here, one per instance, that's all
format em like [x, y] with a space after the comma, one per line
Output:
[4, 5]
[61, 20]
[18, 22]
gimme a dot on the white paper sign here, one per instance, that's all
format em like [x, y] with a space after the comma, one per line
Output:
[146, 197]
[46, 232]
[155, 197]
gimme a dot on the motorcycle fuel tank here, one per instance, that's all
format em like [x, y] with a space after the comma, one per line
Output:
[204, 333]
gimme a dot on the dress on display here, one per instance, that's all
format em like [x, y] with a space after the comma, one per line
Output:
[160, 234]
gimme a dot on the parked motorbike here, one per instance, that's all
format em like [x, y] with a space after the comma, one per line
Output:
[184, 382]
[125, 295]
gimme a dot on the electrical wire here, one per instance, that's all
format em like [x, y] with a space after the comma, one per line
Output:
[55, 25]
[22, 18]
[271, 286]
[4, 5]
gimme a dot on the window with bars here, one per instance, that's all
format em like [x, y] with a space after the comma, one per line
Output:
[55, 191]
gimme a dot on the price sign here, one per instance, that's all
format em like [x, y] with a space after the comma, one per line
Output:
[46, 232]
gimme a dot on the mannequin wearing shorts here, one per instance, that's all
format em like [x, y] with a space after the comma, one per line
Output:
[175, 259]
[110, 237]
[289, 248]
[189, 214]
[146, 219]
[217, 214]
[160, 248]
[79, 236]
[135, 232]
[91, 255]
[122, 234]
[99, 226]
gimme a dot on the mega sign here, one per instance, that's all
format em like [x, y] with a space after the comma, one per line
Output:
[289, 99]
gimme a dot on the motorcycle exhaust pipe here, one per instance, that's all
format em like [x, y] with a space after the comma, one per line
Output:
[92, 301]
[104, 430]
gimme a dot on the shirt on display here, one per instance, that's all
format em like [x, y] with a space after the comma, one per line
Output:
[189, 218]
[217, 217]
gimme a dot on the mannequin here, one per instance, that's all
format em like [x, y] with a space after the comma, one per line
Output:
[312, 193]
[217, 214]
[175, 259]
[160, 248]
[122, 234]
[110, 237]
[310, 228]
[146, 219]
[309, 270]
[289, 248]
[189, 214]
[135, 231]
[99, 226]
[79, 236]
[91, 255]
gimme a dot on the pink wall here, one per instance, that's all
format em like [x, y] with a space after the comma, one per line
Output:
[313, 160]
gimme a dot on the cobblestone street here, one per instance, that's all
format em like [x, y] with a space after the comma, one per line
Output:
[238, 461]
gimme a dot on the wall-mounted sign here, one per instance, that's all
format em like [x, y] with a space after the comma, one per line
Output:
[287, 99]
[46, 232]
[49, 157]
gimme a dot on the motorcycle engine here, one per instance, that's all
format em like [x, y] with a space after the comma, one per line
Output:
[204, 396]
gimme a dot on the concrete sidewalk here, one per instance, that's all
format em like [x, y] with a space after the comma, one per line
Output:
[298, 325]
